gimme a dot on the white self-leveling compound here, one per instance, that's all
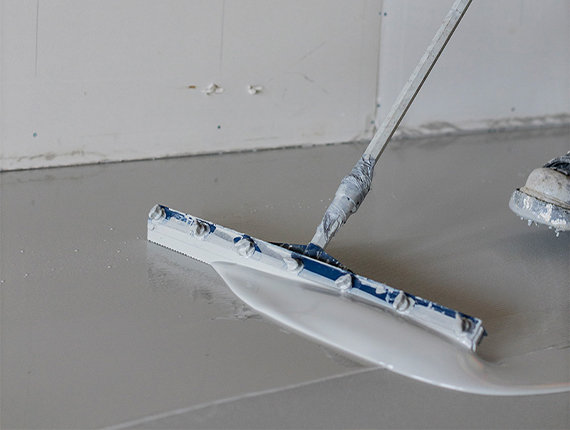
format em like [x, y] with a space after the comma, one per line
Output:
[307, 290]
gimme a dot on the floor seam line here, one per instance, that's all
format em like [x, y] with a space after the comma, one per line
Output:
[180, 411]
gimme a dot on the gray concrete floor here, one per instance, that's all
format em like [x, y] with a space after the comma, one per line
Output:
[100, 328]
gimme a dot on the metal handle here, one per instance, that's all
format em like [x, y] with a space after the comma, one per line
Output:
[355, 186]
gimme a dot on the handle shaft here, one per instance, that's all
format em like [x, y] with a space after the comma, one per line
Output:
[355, 186]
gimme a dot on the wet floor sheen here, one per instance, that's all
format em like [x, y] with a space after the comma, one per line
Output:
[99, 328]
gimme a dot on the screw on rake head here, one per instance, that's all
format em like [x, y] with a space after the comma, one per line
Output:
[157, 213]
[292, 264]
[344, 283]
[245, 247]
[401, 302]
[198, 228]
[463, 324]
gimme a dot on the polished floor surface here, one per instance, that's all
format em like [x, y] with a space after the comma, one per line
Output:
[101, 329]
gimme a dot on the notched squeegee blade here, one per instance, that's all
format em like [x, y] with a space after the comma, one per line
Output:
[212, 243]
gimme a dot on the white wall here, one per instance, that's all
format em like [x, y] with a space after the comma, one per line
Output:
[95, 80]
[507, 65]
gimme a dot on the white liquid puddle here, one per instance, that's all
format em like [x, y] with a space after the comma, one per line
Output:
[387, 340]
